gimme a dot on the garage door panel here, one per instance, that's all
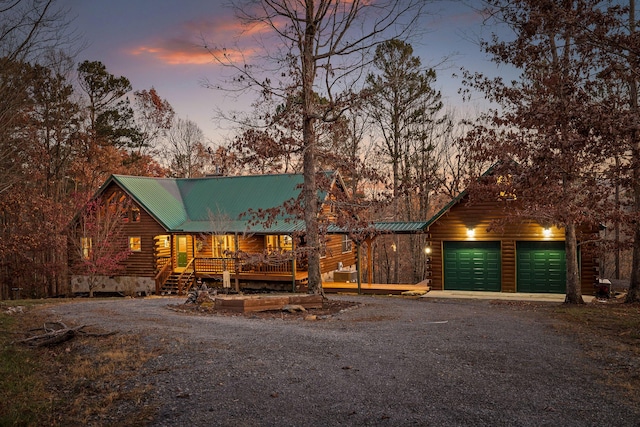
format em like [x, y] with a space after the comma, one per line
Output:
[541, 267]
[472, 266]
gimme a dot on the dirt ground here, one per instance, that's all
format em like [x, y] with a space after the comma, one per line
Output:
[364, 361]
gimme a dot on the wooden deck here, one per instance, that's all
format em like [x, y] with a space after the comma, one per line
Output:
[301, 277]
[373, 289]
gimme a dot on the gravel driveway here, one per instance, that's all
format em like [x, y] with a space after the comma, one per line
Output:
[390, 362]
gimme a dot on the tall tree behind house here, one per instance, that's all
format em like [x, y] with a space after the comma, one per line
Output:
[407, 111]
[323, 46]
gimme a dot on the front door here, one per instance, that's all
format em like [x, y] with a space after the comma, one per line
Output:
[181, 250]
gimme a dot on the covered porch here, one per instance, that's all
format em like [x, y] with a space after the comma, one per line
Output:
[226, 259]
[232, 259]
[229, 272]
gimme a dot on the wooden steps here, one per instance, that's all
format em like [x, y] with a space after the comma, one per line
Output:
[170, 286]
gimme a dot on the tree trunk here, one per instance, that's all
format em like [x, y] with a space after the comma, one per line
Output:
[634, 284]
[309, 188]
[311, 216]
[574, 291]
[634, 289]
[617, 222]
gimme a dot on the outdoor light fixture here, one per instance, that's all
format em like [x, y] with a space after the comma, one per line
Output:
[471, 232]
[427, 250]
[546, 232]
[394, 247]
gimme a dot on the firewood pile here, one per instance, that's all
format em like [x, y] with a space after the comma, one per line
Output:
[201, 294]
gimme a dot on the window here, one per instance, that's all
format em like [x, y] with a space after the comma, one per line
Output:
[200, 244]
[286, 243]
[119, 204]
[135, 244]
[347, 244]
[281, 242]
[332, 207]
[135, 215]
[323, 249]
[506, 191]
[85, 244]
[222, 244]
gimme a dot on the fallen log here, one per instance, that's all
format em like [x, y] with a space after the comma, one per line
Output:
[57, 333]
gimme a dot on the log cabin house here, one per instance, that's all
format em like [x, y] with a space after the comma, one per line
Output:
[180, 230]
[469, 253]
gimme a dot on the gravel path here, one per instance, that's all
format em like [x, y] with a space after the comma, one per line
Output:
[390, 362]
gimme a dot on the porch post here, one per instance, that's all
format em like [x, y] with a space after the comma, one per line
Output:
[370, 261]
[236, 267]
[293, 264]
[358, 271]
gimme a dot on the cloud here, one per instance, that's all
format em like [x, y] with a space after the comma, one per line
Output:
[198, 42]
[174, 52]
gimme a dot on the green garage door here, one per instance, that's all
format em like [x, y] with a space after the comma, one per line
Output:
[541, 267]
[472, 266]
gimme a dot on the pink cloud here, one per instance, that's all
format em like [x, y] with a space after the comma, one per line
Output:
[200, 42]
[174, 53]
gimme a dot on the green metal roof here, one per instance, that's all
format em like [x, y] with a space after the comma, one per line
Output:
[221, 204]
[216, 203]
[382, 227]
[399, 227]
[160, 197]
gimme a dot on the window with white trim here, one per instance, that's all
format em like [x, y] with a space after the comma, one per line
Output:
[86, 244]
[347, 244]
[281, 242]
[223, 244]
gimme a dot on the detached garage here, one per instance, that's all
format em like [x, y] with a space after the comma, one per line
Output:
[473, 248]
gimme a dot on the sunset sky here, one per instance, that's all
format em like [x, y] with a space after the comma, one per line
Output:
[158, 43]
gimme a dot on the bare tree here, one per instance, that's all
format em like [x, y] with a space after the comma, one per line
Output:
[154, 117]
[186, 149]
[320, 47]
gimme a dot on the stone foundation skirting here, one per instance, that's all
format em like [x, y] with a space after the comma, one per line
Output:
[127, 285]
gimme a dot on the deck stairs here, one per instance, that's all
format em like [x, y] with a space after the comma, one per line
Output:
[170, 286]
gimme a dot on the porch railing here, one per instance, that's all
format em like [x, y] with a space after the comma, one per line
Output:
[217, 266]
[162, 276]
[273, 267]
[187, 277]
[214, 265]
[162, 262]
